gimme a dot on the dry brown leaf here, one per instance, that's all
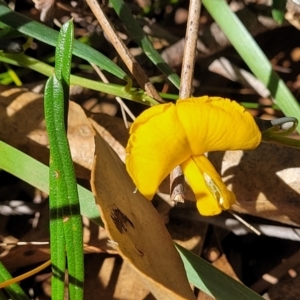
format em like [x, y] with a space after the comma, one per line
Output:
[22, 126]
[136, 227]
[22, 256]
[109, 277]
[106, 135]
[266, 181]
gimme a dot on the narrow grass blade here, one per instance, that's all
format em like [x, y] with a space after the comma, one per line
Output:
[211, 280]
[141, 39]
[133, 94]
[63, 60]
[49, 36]
[14, 290]
[36, 174]
[278, 10]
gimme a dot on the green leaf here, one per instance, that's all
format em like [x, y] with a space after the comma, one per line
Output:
[57, 236]
[14, 290]
[66, 234]
[45, 34]
[211, 280]
[139, 36]
[36, 174]
[278, 10]
[133, 94]
[63, 59]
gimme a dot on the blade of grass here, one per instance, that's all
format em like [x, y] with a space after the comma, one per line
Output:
[63, 60]
[211, 280]
[36, 174]
[49, 36]
[13, 75]
[253, 56]
[141, 39]
[14, 290]
[133, 94]
[278, 10]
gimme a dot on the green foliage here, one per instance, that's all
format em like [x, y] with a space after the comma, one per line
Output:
[66, 237]
[278, 10]
[14, 290]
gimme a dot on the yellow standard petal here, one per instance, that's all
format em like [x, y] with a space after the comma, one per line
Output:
[156, 145]
[217, 124]
[211, 193]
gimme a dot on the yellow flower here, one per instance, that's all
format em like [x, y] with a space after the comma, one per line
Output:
[168, 135]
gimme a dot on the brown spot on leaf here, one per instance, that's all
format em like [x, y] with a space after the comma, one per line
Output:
[120, 220]
[141, 253]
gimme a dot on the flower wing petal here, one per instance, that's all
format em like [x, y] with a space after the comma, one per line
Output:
[156, 145]
[217, 124]
[210, 191]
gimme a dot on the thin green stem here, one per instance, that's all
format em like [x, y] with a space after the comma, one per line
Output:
[133, 94]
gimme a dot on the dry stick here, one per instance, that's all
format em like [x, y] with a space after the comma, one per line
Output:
[273, 276]
[124, 107]
[25, 275]
[187, 74]
[123, 51]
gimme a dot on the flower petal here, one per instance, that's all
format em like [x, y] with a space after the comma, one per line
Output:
[211, 193]
[156, 145]
[217, 124]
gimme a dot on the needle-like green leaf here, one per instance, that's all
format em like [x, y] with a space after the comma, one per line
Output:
[139, 36]
[14, 290]
[66, 235]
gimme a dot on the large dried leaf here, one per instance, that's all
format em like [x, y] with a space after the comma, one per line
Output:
[266, 181]
[22, 126]
[136, 227]
[117, 279]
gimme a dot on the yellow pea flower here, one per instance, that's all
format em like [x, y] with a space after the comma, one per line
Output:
[168, 135]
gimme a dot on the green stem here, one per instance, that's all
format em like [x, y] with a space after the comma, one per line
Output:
[133, 94]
